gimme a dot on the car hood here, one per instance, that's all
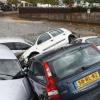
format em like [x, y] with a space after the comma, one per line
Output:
[13, 89]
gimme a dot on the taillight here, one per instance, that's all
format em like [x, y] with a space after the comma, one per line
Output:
[94, 46]
[51, 86]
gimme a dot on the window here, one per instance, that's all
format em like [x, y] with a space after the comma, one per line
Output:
[10, 45]
[56, 32]
[69, 63]
[9, 67]
[21, 46]
[93, 40]
[26, 4]
[43, 38]
[37, 71]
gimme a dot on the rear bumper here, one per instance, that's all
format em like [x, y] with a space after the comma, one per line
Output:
[91, 95]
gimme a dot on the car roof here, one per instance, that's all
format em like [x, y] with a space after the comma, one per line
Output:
[12, 39]
[50, 54]
[63, 29]
[6, 53]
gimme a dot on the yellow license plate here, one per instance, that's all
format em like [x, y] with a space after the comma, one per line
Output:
[87, 79]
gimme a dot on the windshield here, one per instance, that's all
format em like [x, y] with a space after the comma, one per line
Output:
[69, 63]
[29, 42]
[94, 40]
[9, 67]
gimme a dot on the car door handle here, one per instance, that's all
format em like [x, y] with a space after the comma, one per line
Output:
[63, 34]
[51, 40]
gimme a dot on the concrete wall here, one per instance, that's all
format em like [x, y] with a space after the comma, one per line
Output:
[63, 15]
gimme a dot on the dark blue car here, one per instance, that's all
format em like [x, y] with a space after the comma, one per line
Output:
[68, 73]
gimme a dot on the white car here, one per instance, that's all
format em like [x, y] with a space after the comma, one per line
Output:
[17, 45]
[47, 41]
[13, 84]
[89, 39]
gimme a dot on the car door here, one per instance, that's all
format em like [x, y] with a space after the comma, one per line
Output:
[58, 38]
[37, 78]
[20, 48]
[44, 42]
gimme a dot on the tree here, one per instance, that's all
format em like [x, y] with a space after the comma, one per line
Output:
[32, 1]
[68, 2]
[53, 2]
[92, 1]
[12, 2]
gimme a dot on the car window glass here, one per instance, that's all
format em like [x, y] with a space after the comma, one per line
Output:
[10, 45]
[37, 71]
[93, 40]
[9, 67]
[56, 32]
[21, 46]
[69, 63]
[43, 38]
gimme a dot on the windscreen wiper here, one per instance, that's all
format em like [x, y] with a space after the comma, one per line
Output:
[84, 67]
[6, 74]
[18, 75]
[21, 74]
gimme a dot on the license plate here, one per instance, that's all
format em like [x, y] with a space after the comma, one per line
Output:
[87, 79]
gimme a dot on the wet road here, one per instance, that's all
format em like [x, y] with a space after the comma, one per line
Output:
[29, 29]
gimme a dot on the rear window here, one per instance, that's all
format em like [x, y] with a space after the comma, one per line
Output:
[10, 45]
[93, 40]
[69, 63]
[56, 32]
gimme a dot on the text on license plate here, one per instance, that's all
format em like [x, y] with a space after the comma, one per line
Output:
[87, 79]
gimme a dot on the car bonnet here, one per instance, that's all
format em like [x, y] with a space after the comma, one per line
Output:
[14, 89]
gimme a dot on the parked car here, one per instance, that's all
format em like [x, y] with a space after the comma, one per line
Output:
[89, 39]
[17, 45]
[67, 73]
[48, 41]
[13, 83]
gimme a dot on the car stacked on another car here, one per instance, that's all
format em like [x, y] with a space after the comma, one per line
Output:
[14, 84]
[48, 41]
[17, 45]
[67, 73]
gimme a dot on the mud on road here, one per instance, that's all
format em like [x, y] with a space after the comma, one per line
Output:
[11, 27]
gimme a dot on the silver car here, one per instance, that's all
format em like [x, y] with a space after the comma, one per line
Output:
[13, 83]
[17, 45]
